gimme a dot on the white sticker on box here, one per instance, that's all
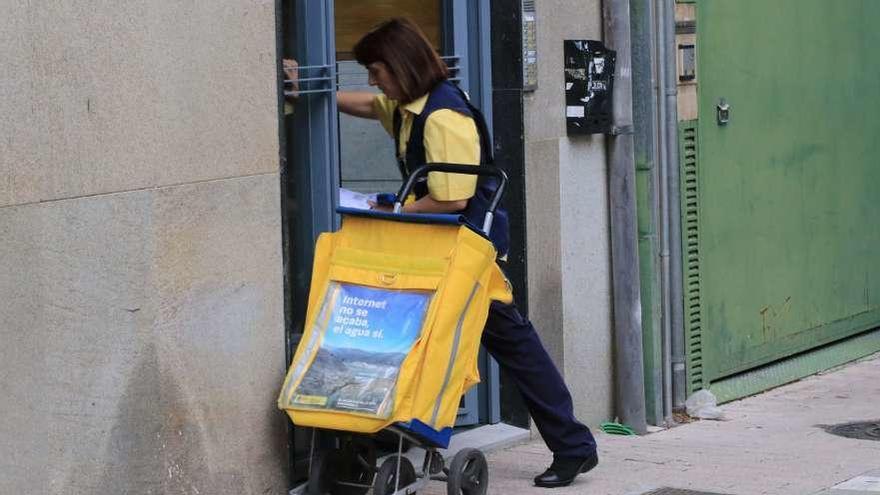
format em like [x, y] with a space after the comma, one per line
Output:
[574, 111]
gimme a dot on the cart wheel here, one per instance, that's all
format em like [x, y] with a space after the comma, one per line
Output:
[468, 473]
[322, 475]
[383, 484]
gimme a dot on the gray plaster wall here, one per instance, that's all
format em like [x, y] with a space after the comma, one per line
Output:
[141, 298]
[568, 231]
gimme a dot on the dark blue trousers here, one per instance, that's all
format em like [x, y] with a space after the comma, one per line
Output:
[512, 341]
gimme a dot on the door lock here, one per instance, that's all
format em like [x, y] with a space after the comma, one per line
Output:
[723, 112]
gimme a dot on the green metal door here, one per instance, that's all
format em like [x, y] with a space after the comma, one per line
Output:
[789, 188]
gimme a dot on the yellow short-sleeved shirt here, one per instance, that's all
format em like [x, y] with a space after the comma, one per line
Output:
[450, 137]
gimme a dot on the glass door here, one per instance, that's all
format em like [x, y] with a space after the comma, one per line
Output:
[367, 161]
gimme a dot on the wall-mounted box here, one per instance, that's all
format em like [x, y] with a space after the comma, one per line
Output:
[589, 82]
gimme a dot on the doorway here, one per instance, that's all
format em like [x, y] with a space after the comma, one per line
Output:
[325, 151]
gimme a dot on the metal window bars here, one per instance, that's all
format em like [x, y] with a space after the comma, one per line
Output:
[311, 79]
[315, 79]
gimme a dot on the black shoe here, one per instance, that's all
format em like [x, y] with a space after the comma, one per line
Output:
[565, 469]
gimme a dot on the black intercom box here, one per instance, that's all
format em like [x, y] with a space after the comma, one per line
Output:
[589, 81]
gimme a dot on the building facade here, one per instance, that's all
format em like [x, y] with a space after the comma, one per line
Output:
[158, 208]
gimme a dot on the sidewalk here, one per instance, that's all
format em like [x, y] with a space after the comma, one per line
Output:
[770, 444]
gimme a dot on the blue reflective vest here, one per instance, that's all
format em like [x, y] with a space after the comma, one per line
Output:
[448, 96]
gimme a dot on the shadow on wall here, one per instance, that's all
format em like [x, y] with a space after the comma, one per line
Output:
[162, 443]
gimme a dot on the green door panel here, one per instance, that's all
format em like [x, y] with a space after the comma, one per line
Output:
[790, 187]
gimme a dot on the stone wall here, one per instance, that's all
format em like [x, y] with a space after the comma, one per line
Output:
[567, 220]
[141, 299]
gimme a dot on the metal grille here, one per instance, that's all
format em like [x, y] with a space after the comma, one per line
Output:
[679, 491]
[861, 430]
[327, 78]
[312, 79]
[454, 64]
[352, 75]
[693, 310]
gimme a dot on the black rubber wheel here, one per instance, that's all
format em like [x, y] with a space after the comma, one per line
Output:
[323, 473]
[384, 482]
[468, 473]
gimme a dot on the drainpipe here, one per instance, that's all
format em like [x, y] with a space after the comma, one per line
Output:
[675, 386]
[644, 89]
[676, 299]
[628, 362]
[663, 110]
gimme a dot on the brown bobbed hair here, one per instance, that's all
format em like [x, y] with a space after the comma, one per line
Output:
[404, 48]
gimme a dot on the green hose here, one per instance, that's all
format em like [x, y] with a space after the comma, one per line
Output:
[616, 428]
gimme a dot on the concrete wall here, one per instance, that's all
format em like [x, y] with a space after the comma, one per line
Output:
[567, 220]
[141, 318]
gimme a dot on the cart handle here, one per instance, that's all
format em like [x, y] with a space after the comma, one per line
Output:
[457, 169]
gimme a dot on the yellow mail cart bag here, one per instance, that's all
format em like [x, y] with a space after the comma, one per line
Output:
[395, 314]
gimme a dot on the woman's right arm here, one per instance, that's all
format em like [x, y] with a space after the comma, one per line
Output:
[357, 103]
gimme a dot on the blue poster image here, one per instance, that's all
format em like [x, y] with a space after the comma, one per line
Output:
[367, 333]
